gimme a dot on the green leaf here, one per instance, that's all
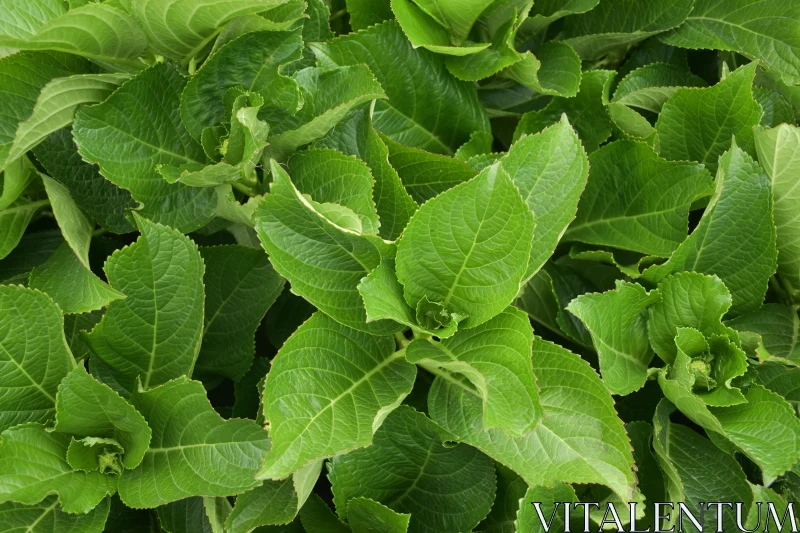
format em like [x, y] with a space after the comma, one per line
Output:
[617, 322]
[777, 110]
[507, 503]
[134, 131]
[651, 215]
[765, 428]
[545, 12]
[545, 298]
[703, 473]
[74, 328]
[550, 170]
[425, 175]
[778, 151]
[22, 77]
[328, 95]
[318, 407]
[650, 86]
[528, 520]
[275, 502]
[474, 267]
[422, 95]
[764, 30]
[688, 300]
[618, 25]
[190, 442]
[33, 465]
[180, 29]
[87, 408]
[96, 31]
[317, 517]
[430, 25]
[585, 111]
[295, 235]
[240, 286]
[778, 327]
[333, 177]
[56, 106]
[34, 356]
[454, 487]
[154, 334]
[70, 284]
[75, 225]
[47, 517]
[251, 62]
[356, 136]
[554, 70]
[782, 380]
[366, 13]
[184, 516]
[578, 416]
[496, 358]
[383, 299]
[715, 245]
[368, 516]
[13, 221]
[100, 199]
[697, 124]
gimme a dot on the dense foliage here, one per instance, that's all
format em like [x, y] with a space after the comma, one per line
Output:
[295, 265]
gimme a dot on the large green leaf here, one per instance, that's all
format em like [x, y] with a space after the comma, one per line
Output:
[70, 284]
[766, 30]
[581, 440]
[637, 201]
[496, 358]
[240, 286]
[33, 465]
[137, 129]
[779, 154]
[250, 62]
[329, 389]
[617, 321]
[47, 517]
[356, 136]
[194, 451]
[86, 408]
[96, 196]
[295, 234]
[154, 334]
[697, 124]
[621, 23]
[741, 208]
[473, 264]
[417, 114]
[34, 357]
[180, 29]
[550, 171]
[425, 175]
[96, 30]
[454, 486]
